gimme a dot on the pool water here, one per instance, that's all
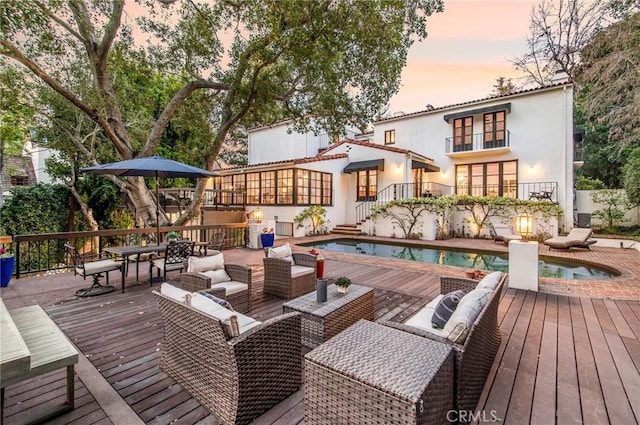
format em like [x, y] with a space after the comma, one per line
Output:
[474, 260]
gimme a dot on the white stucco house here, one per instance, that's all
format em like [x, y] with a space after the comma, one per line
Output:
[519, 145]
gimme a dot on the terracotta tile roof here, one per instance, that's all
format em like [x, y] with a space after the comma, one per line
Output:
[286, 162]
[377, 146]
[470, 102]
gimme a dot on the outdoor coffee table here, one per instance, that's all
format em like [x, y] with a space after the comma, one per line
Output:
[372, 373]
[321, 321]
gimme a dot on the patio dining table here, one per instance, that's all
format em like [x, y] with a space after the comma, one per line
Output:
[124, 252]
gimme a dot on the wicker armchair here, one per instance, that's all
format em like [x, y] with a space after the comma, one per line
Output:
[241, 301]
[278, 279]
[475, 356]
[237, 379]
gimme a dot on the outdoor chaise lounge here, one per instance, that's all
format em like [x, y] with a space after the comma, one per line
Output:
[235, 366]
[474, 343]
[577, 238]
[502, 233]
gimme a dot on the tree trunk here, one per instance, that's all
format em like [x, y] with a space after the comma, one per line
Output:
[143, 201]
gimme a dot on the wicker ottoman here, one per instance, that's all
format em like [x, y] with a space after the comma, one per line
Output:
[372, 373]
[322, 321]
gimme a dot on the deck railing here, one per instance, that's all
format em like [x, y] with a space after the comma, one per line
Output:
[45, 252]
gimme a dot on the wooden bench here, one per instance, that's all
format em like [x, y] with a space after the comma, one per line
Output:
[32, 345]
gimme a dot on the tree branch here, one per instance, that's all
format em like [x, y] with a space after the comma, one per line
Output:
[111, 30]
[13, 52]
[173, 105]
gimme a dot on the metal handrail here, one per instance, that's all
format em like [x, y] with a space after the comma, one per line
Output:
[400, 191]
[478, 143]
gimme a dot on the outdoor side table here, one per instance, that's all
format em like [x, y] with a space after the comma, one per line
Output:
[321, 321]
[372, 373]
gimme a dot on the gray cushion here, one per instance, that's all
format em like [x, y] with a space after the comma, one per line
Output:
[469, 307]
[490, 281]
[224, 303]
[445, 308]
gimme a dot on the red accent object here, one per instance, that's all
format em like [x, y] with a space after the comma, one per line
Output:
[319, 269]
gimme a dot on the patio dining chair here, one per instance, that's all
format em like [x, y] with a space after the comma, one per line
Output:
[93, 265]
[135, 240]
[174, 256]
[216, 243]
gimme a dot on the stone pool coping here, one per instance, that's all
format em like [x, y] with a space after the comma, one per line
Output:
[625, 260]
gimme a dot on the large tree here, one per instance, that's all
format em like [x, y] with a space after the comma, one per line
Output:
[610, 75]
[558, 32]
[610, 80]
[256, 60]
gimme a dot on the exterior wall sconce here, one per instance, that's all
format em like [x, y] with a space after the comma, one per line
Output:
[524, 226]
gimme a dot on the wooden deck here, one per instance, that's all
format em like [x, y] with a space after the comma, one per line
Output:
[563, 359]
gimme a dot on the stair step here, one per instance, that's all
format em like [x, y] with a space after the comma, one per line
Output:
[347, 229]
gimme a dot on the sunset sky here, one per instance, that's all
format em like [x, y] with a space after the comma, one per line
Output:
[468, 47]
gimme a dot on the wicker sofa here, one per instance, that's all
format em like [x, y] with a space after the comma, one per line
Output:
[288, 280]
[475, 354]
[237, 378]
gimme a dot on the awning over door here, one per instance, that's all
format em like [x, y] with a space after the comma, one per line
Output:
[425, 166]
[374, 164]
[488, 109]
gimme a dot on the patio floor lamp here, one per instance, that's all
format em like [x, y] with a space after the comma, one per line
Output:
[523, 256]
[524, 226]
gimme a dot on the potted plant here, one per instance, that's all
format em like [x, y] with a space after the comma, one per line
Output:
[172, 236]
[343, 284]
[267, 237]
[7, 262]
[315, 214]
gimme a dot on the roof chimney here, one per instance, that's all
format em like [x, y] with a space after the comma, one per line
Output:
[559, 77]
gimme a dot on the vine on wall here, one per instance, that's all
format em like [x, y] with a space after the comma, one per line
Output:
[406, 213]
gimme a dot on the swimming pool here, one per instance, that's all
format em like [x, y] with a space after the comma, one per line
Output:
[474, 260]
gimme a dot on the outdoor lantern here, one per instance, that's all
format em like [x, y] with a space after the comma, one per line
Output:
[257, 215]
[524, 225]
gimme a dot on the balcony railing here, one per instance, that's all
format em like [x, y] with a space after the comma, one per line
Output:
[476, 142]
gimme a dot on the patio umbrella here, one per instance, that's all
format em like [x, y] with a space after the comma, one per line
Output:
[152, 166]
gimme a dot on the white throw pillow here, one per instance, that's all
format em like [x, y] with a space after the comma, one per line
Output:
[174, 293]
[280, 252]
[203, 264]
[490, 281]
[217, 276]
[212, 308]
[457, 327]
